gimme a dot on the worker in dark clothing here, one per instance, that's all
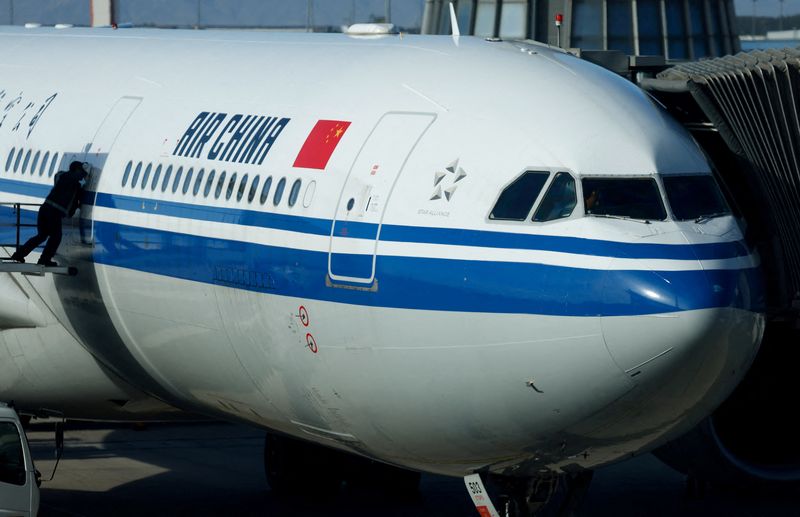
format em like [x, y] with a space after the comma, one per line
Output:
[63, 200]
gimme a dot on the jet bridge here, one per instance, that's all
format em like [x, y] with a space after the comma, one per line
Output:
[743, 109]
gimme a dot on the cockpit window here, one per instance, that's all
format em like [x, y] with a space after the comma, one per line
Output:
[559, 201]
[516, 201]
[634, 198]
[694, 197]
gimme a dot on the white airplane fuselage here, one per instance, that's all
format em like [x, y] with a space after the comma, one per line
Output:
[374, 305]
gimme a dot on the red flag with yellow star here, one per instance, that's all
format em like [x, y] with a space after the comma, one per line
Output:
[320, 144]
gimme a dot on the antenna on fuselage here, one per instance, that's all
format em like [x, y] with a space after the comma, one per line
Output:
[454, 23]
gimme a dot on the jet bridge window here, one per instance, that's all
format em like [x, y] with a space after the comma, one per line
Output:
[517, 199]
[694, 197]
[634, 198]
[12, 461]
[559, 201]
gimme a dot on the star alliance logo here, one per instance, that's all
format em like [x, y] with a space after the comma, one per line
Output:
[446, 183]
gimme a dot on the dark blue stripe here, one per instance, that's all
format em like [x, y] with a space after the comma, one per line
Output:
[424, 283]
[25, 188]
[398, 233]
[561, 244]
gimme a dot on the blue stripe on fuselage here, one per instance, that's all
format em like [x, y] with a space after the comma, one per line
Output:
[423, 283]
[411, 282]
[399, 233]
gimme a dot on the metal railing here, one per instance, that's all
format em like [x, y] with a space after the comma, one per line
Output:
[17, 210]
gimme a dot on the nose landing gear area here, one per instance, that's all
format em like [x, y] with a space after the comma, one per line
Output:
[211, 469]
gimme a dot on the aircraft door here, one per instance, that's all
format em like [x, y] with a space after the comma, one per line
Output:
[365, 195]
[97, 154]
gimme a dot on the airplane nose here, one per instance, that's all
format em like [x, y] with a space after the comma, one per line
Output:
[657, 321]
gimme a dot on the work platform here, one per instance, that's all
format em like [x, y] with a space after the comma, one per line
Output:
[36, 269]
[9, 266]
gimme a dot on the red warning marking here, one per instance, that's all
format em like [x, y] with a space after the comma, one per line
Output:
[374, 170]
[302, 313]
[484, 511]
[311, 343]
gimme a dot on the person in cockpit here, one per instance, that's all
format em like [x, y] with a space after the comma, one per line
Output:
[62, 201]
[590, 201]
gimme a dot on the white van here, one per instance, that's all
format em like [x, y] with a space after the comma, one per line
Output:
[19, 483]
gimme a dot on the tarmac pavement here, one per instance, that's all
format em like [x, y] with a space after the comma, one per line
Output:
[217, 469]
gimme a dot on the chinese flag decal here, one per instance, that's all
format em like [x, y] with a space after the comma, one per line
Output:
[320, 144]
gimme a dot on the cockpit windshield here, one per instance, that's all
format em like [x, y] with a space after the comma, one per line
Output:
[695, 197]
[629, 198]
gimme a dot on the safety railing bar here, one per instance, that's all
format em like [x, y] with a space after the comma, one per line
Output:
[19, 224]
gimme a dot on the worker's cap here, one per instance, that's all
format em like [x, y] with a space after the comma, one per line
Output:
[82, 167]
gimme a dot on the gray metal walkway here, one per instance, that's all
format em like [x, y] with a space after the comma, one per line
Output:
[751, 100]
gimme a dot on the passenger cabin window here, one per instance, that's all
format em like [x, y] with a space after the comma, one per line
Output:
[231, 184]
[167, 175]
[695, 197]
[146, 176]
[177, 182]
[26, 162]
[10, 159]
[253, 189]
[136, 172]
[242, 187]
[35, 162]
[127, 173]
[294, 192]
[517, 199]
[12, 461]
[220, 185]
[188, 181]
[276, 199]
[198, 182]
[156, 176]
[265, 190]
[559, 201]
[633, 198]
[17, 160]
[209, 183]
[44, 162]
[53, 166]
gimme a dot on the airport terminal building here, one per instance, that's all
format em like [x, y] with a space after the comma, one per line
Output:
[675, 29]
